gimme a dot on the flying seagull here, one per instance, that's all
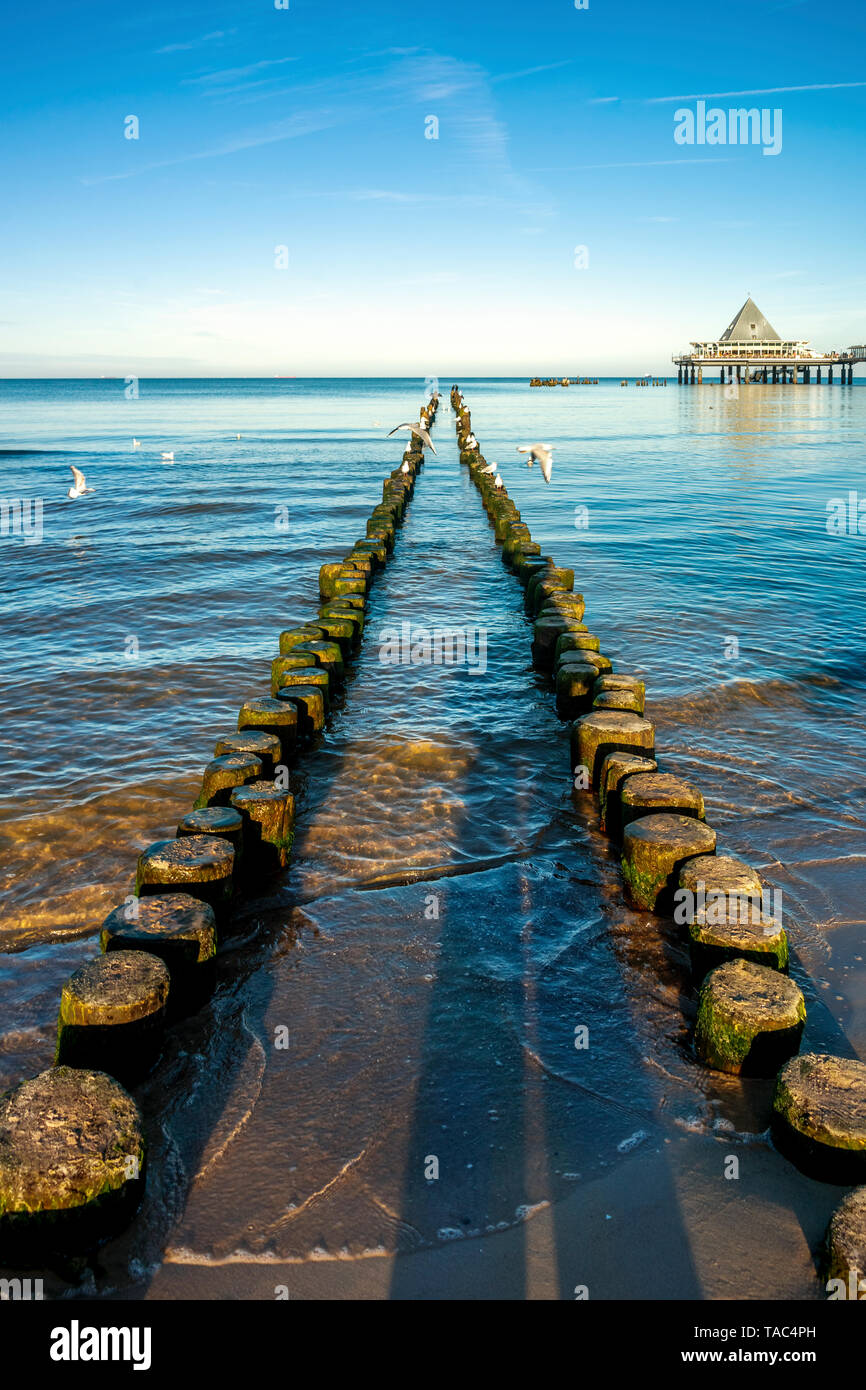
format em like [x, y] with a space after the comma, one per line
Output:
[79, 484]
[419, 430]
[539, 453]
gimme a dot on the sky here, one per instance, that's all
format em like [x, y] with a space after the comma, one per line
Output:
[284, 210]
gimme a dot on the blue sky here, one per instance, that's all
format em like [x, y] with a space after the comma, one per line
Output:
[305, 128]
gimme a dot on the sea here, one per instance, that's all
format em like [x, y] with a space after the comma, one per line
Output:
[451, 929]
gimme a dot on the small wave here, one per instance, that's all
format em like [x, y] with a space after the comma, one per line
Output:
[779, 692]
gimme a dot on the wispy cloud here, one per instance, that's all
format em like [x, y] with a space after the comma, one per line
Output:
[196, 43]
[601, 101]
[759, 92]
[302, 123]
[233, 74]
[530, 72]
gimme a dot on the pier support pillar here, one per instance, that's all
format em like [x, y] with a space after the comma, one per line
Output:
[722, 377]
[818, 378]
[739, 376]
[764, 376]
[693, 377]
[680, 375]
[829, 376]
[700, 376]
[775, 375]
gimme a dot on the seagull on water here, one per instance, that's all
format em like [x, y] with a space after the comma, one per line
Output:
[79, 483]
[136, 443]
[169, 458]
[419, 430]
[539, 453]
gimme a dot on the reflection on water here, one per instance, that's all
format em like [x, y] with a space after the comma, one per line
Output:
[450, 916]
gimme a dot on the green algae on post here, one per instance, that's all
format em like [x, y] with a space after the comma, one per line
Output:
[600, 732]
[618, 699]
[586, 655]
[305, 679]
[750, 1019]
[264, 746]
[654, 848]
[223, 774]
[612, 684]
[269, 817]
[845, 1248]
[214, 820]
[202, 865]
[177, 928]
[293, 636]
[574, 686]
[309, 703]
[614, 769]
[325, 654]
[112, 1015]
[546, 631]
[575, 642]
[272, 717]
[340, 630]
[643, 793]
[722, 903]
[819, 1116]
[62, 1195]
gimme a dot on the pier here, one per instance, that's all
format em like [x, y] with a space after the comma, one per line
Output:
[751, 352]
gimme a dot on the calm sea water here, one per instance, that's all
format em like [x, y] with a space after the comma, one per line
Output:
[450, 914]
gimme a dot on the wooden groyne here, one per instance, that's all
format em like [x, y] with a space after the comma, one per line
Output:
[72, 1149]
[750, 1014]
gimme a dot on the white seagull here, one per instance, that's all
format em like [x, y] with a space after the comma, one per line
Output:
[539, 453]
[136, 443]
[498, 483]
[404, 467]
[79, 484]
[472, 442]
[419, 430]
[491, 468]
[168, 457]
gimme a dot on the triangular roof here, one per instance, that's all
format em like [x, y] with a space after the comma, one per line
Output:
[749, 326]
